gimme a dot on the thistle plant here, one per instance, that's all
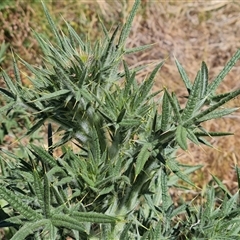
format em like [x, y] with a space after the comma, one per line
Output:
[115, 183]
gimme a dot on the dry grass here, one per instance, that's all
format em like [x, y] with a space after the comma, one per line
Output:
[191, 31]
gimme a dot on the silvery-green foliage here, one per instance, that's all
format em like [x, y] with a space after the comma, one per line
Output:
[116, 186]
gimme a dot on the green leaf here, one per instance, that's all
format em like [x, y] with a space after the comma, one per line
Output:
[52, 25]
[216, 114]
[205, 142]
[145, 88]
[7, 93]
[95, 146]
[221, 185]
[7, 107]
[16, 71]
[127, 26]
[129, 81]
[124, 234]
[192, 137]
[65, 221]
[93, 217]
[204, 80]
[181, 137]
[166, 112]
[36, 126]
[238, 176]
[38, 188]
[212, 134]
[74, 35]
[173, 166]
[193, 98]
[16, 203]
[129, 122]
[110, 46]
[184, 76]
[43, 155]
[138, 49]
[142, 158]
[29, 228]
[212, 108]
[10, 83]
[52, 95]
[166, 199]
[46, 197]
[174, 106]
[213, 85]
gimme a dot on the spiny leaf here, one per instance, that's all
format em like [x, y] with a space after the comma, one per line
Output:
[166, 199]
[205, 142]
[93, 217]
[95, 146]
[129, 122]
[204, 80]
[129, 81]
[192, 137]
[38, 188]
[7, 107]
[7, 93]
[212, 108]
[65, 221]
[174, 106]
[74, 35]
[173, 166]
[29, 228]
[138, 49]
[213, 85]
[121, 115]
[222, 186]
[142, 157]
[216, 114]
[10, 83]
[110, 45]
[193, 98]
[16, 202]
[46, 197]
[52, 95]
[184, 76]
[36, 126]
[127, 26]
[43, 155]
[146, 87]
[52, 25]
[181, 137]
[166, 112]
[124, 234]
